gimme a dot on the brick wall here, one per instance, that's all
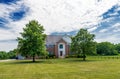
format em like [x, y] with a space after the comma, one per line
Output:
[54, 48]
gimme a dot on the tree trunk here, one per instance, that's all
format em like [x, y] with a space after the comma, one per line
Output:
[84, 52]
[33, 58]
[84, 58]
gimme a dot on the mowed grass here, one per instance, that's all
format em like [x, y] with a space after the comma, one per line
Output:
[70, 68]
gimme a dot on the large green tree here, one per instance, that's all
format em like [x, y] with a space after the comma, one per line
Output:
[83, 43]
[32, 42]
[106, 48]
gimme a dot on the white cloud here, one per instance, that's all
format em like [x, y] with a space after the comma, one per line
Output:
[116, 30]
[6, 35]
[103, 30]
[112, 39]
[117, 25]
[6, 46]
[92, 29]
[67, 15]
[56, 15]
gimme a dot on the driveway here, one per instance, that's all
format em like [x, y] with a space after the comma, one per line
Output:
[7, 60]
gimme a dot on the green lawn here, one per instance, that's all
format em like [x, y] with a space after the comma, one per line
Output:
[75, 68]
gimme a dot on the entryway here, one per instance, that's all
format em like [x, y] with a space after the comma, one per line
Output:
[61, 50]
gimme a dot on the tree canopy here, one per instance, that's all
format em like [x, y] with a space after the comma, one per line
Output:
[8, 55]
[83, 43]
[106, 48]
[3, 55]
[32, 42]
[117, 47]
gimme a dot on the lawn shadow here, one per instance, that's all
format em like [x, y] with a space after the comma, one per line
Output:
[80, 60]
[25, 62]
[51, 61]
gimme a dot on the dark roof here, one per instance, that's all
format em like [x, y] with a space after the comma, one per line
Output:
[52, 39]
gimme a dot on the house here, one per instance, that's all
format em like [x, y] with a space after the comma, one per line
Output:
[58, 45]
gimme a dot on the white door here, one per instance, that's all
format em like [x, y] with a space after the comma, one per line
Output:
[61, 50]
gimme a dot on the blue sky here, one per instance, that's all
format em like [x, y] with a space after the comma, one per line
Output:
[100, 17]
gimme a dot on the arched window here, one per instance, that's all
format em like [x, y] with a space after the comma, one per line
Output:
[61, 46]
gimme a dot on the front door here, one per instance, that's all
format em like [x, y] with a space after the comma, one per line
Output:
[61, 53]
[61, 50]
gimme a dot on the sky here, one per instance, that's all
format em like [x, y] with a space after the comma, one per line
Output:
[100, 17]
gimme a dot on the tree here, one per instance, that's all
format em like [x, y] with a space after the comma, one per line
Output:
[83, 43]
[12, 54]
[106, 48]
[32, 42]
[3, 55]
[117, 47]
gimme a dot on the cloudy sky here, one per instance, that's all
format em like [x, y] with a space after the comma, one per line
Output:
[101, 17]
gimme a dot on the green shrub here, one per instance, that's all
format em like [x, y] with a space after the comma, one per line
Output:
[3, 55]
[50, 56]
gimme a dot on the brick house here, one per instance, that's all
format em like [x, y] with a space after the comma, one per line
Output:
[58, 45]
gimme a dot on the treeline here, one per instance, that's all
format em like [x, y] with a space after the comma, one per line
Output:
[103, 48]
[8, 55]
[107, 48]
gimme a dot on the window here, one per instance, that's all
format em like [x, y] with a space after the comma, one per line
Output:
[51, 46]
[61, 46]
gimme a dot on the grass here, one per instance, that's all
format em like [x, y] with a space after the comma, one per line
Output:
[70, 68]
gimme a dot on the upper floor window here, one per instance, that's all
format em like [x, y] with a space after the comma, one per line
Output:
[61, 46]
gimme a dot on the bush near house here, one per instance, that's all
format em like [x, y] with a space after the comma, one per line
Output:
[50, 56]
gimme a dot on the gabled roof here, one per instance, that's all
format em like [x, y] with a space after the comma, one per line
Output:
[53, 39]
[66, 38]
